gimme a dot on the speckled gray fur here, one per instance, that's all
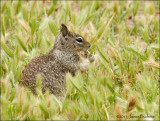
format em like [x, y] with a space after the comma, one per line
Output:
[53, 66]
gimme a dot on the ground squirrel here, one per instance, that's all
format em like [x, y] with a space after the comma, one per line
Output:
[63, 58]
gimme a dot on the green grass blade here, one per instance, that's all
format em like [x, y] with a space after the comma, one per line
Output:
[21, 43]
[8, 51]
[136, 52]
[52, 8]
[53, 27]
[135, 9]
[33, 26]
[125, 13]
[44, 109]
[3, 25]
[102, 53]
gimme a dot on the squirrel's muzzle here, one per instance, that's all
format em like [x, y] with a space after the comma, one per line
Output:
[88, 44]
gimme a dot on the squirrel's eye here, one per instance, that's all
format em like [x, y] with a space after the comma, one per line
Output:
[79, 39]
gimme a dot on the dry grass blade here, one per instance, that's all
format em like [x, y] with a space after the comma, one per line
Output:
[132, 104]
[118, 112]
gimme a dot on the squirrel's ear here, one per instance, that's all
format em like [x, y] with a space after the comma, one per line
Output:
[64, 30]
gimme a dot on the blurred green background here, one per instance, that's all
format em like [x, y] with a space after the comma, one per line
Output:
[123, 81]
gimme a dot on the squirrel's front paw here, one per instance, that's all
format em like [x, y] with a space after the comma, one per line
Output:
[91, 58]
[87, 54]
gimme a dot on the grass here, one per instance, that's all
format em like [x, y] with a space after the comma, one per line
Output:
[123, 81]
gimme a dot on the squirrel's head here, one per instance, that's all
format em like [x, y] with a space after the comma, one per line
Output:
[72, 40]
